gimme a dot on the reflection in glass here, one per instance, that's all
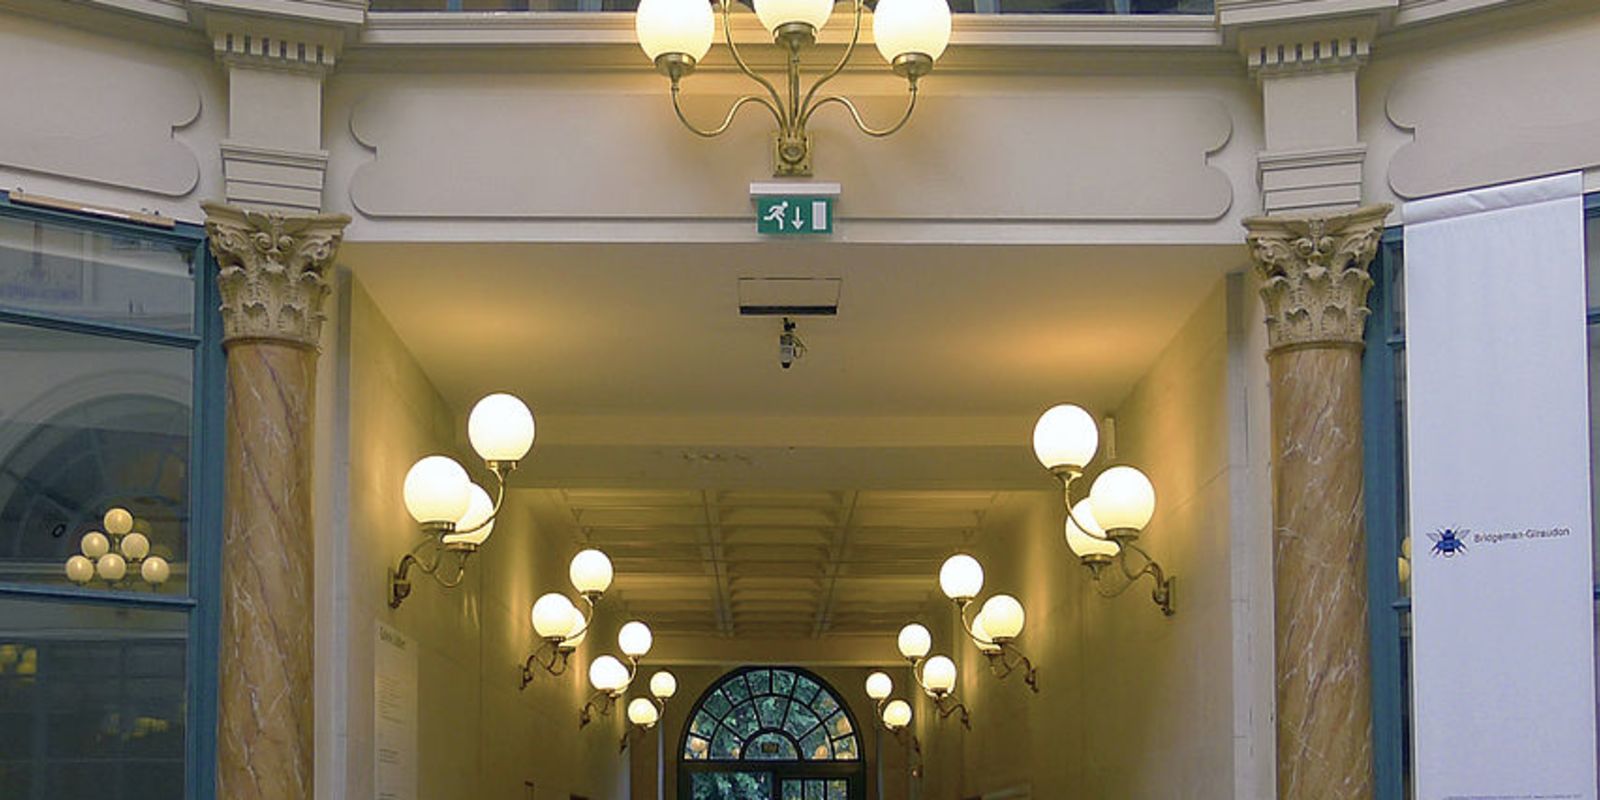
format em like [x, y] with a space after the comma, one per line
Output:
[92, 702]
[96, 277]
[730, 785]
[91, 423]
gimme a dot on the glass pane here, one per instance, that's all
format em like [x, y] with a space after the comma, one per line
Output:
[1591, 242]
[845, 749]
[794, 790]
[838, 790]
[1397, 291]
[717, 704]
[725, 746]
[760, 681]
[91, 424]
[743, 720]
[814, 747]
[695, 749]
[824, 704]
[94, 276]
[731, 786]
[800, 721]
[804, 689]
[91, 697]
[839, 724]
[1594, 438]
[736, 689]
[704, 725]
[815, 790]
[782, 682]
[771, 710]
[771, 747]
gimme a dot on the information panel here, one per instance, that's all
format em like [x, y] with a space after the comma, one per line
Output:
[1497, 422]
[394, 716]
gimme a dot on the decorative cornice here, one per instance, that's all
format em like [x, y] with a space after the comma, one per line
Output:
[1320, 47]
[1314, 278]
[271, 272]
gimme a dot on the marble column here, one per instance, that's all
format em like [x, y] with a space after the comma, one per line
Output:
[1314, 284]
[273, 284]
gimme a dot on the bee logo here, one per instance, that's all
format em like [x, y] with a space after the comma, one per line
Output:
[1448, 542]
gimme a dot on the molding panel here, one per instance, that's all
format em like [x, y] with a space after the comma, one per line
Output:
[1485, 115]
[119, 130]
[530, 148]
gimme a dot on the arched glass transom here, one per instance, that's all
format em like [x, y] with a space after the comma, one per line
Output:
[771, 714]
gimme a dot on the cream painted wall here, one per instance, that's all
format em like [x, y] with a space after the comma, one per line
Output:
[1132, 704]
[480, 736]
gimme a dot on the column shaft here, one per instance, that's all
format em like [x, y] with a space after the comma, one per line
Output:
[265, 749]
[1324, 684]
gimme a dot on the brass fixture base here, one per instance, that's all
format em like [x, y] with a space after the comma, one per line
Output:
[675, 65]
[795, 35]
[912, 66]
[791, 155]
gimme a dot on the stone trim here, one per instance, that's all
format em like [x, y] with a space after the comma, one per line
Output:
[1310, 180]
[272, 272]
[270, 179]
[1314, 278]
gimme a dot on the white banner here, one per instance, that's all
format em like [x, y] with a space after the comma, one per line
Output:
[1497, 421]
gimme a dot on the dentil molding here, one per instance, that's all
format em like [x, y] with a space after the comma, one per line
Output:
[1314, 278]
[272, 272]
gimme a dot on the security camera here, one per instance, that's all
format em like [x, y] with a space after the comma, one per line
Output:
[790, 348]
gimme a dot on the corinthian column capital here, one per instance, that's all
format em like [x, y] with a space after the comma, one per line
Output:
[1314, 278]
[272, 272]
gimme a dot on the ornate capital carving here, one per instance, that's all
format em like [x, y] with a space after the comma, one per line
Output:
[271, 272]
[1314, 278]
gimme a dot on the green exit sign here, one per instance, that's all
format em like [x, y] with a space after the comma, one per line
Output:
[794, 215]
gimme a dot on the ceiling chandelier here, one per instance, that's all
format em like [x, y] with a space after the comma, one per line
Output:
[910, 34]
[1104, 527]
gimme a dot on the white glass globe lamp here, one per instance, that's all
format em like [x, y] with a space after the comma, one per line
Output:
[437, 491]
[981, 637]
[911, 34]
[111, 567]
[577, 629]
[80, 569]
[939, 675]
[155, 570]
[642, 712]
[607, 674]
[552, 616]
[1065, 439]
[775, 14]
[675, 28]
[95, 544]
[663, 685]
[1124, 501]
[479, 510]
[1089, 542]
[118, 521]
[961, 577]
[879, 685]
[896, 715]
[1002, 617]
[635, 639]
[914, 641]
[590, 572]
[135, 546]
[500, 428]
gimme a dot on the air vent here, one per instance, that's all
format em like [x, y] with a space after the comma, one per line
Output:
[790, 297]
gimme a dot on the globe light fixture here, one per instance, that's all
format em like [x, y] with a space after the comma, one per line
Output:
[455, 515]
[879, 687]
[561, 625]
[1103, 528]
[645, 712]
[677, 34]
[894, 715]
[122, 550]
[611, 678]
[936, 675]
[994, 629]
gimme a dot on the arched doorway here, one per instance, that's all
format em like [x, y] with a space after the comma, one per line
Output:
[771, 733]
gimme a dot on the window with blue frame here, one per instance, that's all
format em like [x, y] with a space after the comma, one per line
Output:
[1388, 539]
[110, 507]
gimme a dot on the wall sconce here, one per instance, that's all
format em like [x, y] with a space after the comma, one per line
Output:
[997, 624]
[456, 515]
[610, 678]
[895, 716]
[110, 556]
[1102, 528]
[936, 675]
[645, 712]
[559, 622]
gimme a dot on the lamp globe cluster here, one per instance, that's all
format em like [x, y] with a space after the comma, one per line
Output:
[123, 549]
[442, 498]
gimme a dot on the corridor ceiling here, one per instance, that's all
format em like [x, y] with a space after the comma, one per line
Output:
[739, 499]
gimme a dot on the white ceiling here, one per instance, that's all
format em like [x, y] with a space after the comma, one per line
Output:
[739, 499]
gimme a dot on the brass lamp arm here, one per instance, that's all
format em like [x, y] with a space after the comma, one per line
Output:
[726, 121]
[399, 577]
[776, 105]
[1160, 593]
[499, 499]
[855, 113]
[849, 50]
[587, 620]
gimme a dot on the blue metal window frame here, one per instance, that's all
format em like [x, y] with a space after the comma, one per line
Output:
[1383, 444]
[203, 603]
